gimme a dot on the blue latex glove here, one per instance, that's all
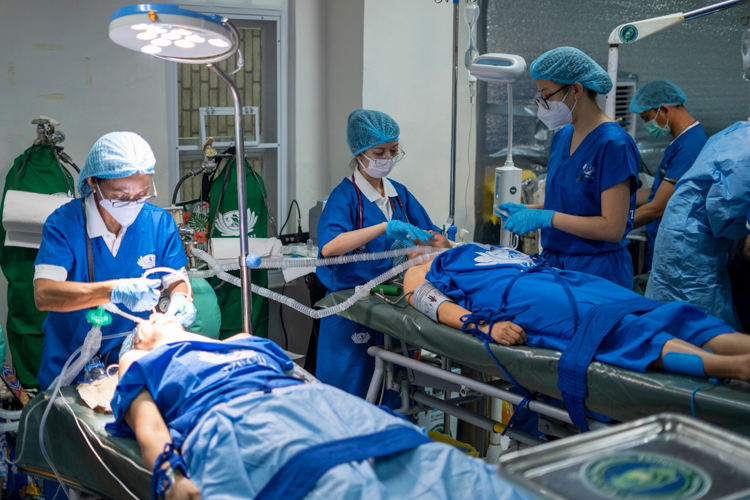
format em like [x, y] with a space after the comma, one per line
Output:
[403, 231]
[526, 221]
[507, 210]
[137, 294]
[182, 308]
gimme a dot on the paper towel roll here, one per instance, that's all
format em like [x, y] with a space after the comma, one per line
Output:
[24, 215]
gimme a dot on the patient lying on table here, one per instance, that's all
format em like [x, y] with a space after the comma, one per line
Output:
[246, 429]
[516, 299]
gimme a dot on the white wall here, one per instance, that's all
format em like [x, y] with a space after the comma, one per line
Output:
[407, 74]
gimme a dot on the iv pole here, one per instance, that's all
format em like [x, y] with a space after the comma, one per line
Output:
[454, 117]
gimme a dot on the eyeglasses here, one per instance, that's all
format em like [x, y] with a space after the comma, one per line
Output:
[542, 101]
[124, 203]
[382, 161]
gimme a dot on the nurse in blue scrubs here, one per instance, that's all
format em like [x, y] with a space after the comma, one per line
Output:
[592, 172]
[96, 248]
[661, 106]
[366, 212]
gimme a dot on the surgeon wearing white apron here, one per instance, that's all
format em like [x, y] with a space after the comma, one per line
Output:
[95, 250]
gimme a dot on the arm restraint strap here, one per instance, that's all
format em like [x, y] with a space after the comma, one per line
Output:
[297, 477]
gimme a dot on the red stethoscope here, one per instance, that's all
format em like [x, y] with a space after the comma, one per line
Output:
[362, 216]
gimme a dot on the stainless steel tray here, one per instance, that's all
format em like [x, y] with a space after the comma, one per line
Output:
[662, 457]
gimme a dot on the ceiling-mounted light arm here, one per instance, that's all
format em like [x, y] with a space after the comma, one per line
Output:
[235, 46]
[631, 32]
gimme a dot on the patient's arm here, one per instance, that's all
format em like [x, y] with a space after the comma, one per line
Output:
[152, 434]
[449, 313]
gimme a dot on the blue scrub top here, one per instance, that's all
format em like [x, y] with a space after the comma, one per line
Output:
[341, 215]
[606, 157]
[678, 158]
[151, 241]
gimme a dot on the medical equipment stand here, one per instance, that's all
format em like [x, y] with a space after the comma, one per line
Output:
[632, 32]
[164, 17]
[454, 117]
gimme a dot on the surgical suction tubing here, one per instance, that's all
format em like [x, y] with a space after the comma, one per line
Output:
[329, 311]
[297, 262]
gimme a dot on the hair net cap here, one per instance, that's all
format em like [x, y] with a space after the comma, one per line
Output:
[367, 129]
[116, 155]
[655, 94]
[568, 65]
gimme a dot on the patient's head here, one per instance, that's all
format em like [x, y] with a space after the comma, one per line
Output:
[158, 327]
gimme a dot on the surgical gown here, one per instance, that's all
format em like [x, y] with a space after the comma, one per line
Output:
[678, 158]
[234, 440]
[476, 278]
[605, 158]
[707, 212]
[342, 347]
[151, 241]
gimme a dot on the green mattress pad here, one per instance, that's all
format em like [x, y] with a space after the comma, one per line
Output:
[72, 456]
[616, 392]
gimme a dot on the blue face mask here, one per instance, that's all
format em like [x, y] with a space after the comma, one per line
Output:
[655, 130]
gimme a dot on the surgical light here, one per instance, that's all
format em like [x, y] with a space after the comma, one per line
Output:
[145, 35]
[151, 49]
[161, 42]
[223, 42]
[172, 23]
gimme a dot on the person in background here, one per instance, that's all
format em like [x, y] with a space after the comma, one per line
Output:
[95, 250]
[592, 174]
[366, 212]
[704, 218]
[661, 106]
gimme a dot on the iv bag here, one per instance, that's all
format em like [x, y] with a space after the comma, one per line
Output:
[471, 16]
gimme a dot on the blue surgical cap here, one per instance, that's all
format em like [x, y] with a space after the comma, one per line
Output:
[568, 65]
[655, 94]
[367, 129]
[116, 155]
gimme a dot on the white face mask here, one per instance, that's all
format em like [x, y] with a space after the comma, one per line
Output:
[378, 168]
[558, 115]
[126, 214]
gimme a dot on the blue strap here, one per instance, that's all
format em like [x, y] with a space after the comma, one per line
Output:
[577, 357]
[520, 410]
[160, 481]
[710, 386]
[299, 474]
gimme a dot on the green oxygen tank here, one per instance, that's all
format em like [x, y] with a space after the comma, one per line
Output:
[35, 171]
[226, 225]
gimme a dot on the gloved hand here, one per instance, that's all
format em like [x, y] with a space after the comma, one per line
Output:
[529, 220]
[400, 230]
[507, 210]
[137, 294]
[182, 308]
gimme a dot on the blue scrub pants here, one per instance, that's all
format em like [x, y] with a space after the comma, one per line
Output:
[616, 266]
[343, 361]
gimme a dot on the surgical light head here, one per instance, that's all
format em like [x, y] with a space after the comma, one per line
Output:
[498, 68]
[167, 31]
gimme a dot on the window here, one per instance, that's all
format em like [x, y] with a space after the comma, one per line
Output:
[198, 88]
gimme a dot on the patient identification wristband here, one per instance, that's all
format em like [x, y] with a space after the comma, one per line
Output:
[427, 299]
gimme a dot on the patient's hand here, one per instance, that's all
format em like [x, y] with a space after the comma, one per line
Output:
[182, 489]
[439, 241]
[507, 333]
